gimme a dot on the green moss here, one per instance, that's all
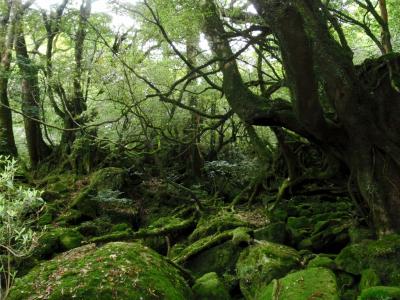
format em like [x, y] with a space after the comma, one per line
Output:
[166, 225]
[209, 242]
[48, 215]
[114, 271]
[369, 278]
[103, 179]
[312, 283]
[214, 224]
[298, 222]
[70, 217]
[358, 234]
[57, 240]
[241, 236]
[220, 259]
[114, 236]
[56, 184]
[108, 179]
[322, 261]
[120, 227]
[382, 256]
[347, 285]
[70, 239]
[275, 232]
[330, 234]
[98, 226]
[258, 265]
[209, 287]
[380, 293]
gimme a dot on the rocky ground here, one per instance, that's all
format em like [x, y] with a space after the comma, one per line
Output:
[110, 237]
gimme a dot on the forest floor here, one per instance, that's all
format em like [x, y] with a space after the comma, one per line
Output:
[111, 236]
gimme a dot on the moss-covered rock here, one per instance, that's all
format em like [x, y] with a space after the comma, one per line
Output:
[114, 271]
[382, 256]
[322, 261]
[210, 287]
[347, 285]
[275, 232]
[57, 184]
[220, 259]
[258, 265]
[358, 234]
[57, 240]
[330, 235]
[380, 293]
[369, 278]
[298, 228]
[97, 227]
[120, 227]
[215, 224]
[312, 283]
[70, 239]
[111, 179]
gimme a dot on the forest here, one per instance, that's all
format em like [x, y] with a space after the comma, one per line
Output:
[206, 149]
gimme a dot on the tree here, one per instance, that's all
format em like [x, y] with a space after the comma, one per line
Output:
[363, 131]
[77, 105]
[7, 142]
[37, 148]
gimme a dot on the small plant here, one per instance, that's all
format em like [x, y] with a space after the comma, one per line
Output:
[20, 208]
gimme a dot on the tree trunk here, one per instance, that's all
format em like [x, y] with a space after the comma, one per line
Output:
[385, 32]
[196, 161]
[37, 148]
[77, 105]
[7, 141]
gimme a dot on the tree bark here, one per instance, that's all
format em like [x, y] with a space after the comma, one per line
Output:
[37, 148]
[7, 141]
[77, 105]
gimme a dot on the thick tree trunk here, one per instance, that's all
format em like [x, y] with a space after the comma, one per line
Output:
[37, 148]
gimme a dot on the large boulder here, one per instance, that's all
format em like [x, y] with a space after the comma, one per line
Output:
[258, 265]
[114, 271]
[381, 256]
[312, 283]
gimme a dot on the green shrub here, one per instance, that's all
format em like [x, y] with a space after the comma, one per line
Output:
[20, 209]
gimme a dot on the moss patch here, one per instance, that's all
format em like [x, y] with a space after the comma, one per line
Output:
[322, 261]
[216, 224]
[381, 293]
[208, 287]
[382, 256]
[313, 283]
[57, 240]
[259, 265]
[114, 271]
